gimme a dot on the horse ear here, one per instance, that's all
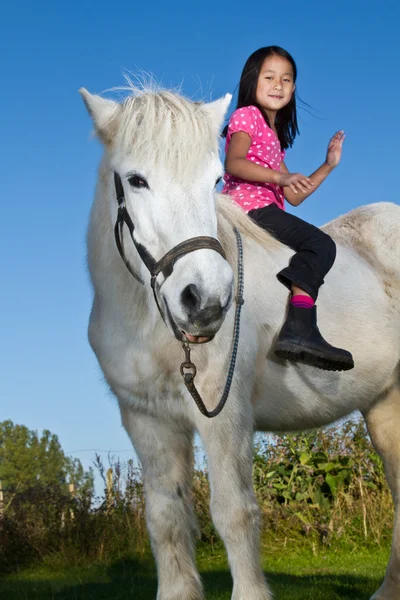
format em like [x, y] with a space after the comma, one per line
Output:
[103, 113]
[217, 110]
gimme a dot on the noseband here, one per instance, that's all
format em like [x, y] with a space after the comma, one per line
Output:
[165, 264]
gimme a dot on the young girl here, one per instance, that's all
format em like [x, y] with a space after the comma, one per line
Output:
[258, 133]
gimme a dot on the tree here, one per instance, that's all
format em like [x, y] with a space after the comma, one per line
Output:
[29, 460]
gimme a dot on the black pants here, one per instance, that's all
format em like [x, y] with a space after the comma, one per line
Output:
[315, 250]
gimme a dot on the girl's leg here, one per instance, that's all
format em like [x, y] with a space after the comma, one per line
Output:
[315, 250]
[300, 339]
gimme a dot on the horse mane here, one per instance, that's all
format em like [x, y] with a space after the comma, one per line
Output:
[155, 122]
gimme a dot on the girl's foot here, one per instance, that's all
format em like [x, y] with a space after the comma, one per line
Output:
[300, 341]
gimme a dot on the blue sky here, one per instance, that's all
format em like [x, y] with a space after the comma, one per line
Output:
[347, 55]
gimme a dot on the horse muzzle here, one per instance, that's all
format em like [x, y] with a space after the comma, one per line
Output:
[202, 321]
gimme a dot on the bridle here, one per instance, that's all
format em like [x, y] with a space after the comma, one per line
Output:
[165, 265]
[170, 258]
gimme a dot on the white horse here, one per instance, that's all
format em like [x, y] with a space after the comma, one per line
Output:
[164, 150]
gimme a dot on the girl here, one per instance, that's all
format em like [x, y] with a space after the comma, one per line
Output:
[257, 135]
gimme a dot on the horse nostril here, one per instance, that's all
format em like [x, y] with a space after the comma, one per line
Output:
[190, 298]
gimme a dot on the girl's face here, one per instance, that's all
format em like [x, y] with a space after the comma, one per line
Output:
[275, 85]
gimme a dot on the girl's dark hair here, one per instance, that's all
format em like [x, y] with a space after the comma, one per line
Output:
[286, 118]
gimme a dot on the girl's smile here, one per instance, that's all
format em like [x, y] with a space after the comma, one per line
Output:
[275, 85]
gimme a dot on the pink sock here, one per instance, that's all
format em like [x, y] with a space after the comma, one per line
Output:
[302, 301]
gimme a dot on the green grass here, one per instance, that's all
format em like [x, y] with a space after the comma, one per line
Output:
[292, 576]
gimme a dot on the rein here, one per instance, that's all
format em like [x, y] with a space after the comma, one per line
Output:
[188, 369]
[189, 376]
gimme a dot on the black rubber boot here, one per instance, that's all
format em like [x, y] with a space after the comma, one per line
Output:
[300, 341]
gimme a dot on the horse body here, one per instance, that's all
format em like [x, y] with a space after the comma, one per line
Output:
[359, 309]
[288, 397]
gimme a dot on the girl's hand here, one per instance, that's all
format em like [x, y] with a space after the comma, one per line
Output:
[334, 151]
[296, 182]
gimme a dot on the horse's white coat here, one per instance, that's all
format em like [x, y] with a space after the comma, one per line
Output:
[173, 144]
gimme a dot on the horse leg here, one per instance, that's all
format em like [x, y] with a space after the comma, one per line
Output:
[383, 422]
[235, 512]
[166, 454]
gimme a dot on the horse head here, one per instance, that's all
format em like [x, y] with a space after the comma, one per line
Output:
[162, 152]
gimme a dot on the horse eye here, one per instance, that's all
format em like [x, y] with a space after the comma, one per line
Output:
[138, 182]
[218, 180]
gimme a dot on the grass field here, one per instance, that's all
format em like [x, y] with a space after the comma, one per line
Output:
[330, 576]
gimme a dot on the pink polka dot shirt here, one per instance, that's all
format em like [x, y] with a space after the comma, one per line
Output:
[264, 150]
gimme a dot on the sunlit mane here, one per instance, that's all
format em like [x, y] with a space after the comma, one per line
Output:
[162, 127]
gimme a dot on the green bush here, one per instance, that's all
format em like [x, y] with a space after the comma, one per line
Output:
[324, 488]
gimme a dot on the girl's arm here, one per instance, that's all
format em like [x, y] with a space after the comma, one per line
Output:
[238, 165]
[296, 198]
[333, 156]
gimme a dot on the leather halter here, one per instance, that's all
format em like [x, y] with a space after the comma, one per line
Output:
[169, 259]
